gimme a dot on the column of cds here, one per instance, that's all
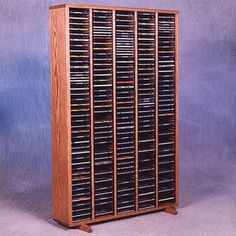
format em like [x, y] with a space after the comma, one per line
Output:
[166, 110]
[125, 118]
[103, 111]
[146, 110]
[80, 114]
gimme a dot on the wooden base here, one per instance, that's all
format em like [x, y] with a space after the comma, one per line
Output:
[85, 225]
[85, 228]
[171, 210]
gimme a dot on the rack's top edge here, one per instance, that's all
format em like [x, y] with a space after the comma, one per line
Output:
[57, 6]
[113, 8]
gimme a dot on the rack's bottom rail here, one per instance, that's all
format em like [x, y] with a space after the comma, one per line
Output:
[85, 225]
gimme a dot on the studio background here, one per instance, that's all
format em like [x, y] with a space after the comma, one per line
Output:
[207, 145]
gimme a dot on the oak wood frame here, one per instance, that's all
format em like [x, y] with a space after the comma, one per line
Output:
[60, 117]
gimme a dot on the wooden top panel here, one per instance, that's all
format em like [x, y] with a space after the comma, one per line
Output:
[113, 8]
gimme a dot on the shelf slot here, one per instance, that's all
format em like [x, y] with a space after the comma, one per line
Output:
[125, 108]
[147, 108]
[80, 114]
[166, 108]
[104, 119]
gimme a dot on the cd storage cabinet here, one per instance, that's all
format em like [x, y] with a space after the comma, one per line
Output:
[114, 102]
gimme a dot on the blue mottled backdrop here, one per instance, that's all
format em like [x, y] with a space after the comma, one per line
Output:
[207, 121]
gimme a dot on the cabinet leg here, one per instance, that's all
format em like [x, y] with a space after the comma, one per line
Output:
[170, 210]
[85, 228]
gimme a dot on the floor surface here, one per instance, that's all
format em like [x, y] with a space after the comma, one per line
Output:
[206, 209]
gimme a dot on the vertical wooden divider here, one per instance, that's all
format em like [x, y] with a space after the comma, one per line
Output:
[91, 110]
[136, 105]
[114, 107]
[69, 108]
[177, 108]
[156, 102]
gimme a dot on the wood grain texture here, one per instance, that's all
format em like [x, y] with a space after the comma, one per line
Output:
[60, 116]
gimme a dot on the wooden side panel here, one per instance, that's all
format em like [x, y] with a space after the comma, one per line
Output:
[60, 116]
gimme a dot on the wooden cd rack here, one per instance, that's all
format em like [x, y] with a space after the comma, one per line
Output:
[114, 102]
